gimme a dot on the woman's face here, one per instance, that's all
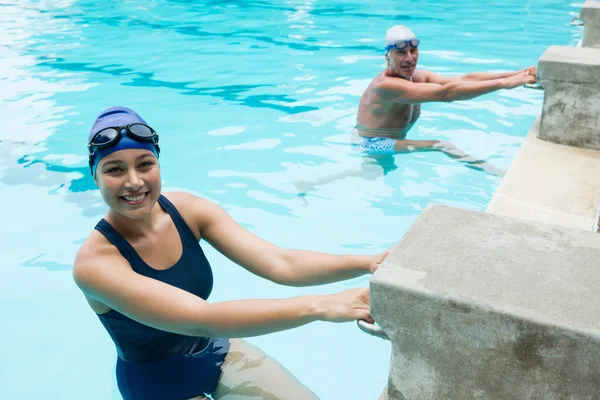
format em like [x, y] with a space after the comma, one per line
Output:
[129, 182]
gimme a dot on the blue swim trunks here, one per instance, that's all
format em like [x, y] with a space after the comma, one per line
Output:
[376, 145]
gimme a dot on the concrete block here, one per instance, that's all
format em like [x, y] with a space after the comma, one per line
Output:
[479, 306]
[570, 77]
[590, 15]
[539, 189]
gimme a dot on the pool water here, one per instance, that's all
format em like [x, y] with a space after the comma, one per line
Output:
[254, 101]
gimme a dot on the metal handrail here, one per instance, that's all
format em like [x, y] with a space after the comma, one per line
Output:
[372, 329]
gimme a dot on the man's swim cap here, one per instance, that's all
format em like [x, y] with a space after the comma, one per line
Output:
[397, 34]
[115, 117]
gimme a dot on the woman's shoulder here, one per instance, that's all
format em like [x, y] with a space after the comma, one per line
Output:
[94, 255]
[180, 195]
[188, 203]
[194, 209]
[95, 249]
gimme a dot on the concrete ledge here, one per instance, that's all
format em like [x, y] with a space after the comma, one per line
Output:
[570, 77]
[479, 306]
[569, 64]
[552, 184]
[590, 15]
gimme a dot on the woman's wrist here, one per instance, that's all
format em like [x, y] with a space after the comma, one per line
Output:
[317, 307]
[366, 264]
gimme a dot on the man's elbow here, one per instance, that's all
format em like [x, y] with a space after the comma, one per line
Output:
[446, 94]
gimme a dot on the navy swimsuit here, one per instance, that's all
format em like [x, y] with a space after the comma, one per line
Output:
[155, 364]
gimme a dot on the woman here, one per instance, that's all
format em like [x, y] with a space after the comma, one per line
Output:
[145, 275]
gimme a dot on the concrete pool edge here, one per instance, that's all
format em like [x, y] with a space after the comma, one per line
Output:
[533, 187]
[482, 306]
[550, 183]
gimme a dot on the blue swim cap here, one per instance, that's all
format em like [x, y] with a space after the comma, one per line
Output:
[113, 117]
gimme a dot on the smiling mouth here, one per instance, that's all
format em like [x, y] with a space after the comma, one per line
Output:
[137, 199]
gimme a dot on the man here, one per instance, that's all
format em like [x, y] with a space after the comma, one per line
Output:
[391, 104]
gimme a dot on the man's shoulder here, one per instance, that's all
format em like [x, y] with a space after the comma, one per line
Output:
[396, 84]
[420, 76]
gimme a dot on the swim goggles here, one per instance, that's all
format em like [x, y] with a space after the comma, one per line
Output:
[401, 45]
[110, 136]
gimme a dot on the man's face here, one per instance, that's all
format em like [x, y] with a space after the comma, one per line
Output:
[402, 63]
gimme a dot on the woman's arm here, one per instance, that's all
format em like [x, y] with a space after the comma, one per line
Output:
[282, 266]
[306, 268]
[110, 280]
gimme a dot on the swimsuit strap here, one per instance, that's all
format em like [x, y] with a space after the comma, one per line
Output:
[184, 229]
[119, 242]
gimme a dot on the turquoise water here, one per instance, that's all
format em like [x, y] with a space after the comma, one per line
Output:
[250, 97]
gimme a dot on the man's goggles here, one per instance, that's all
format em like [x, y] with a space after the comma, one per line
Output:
[401, 45]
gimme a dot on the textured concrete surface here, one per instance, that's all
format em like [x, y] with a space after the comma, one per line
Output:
[479, 306]
[597, 216]
[590, 15]
[570, 77]
[551, 183]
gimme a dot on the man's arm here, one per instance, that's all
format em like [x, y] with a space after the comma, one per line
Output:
[432, 77]
[484, 76]
[399, 90]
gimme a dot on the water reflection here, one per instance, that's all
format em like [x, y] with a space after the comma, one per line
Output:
[22, 165]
